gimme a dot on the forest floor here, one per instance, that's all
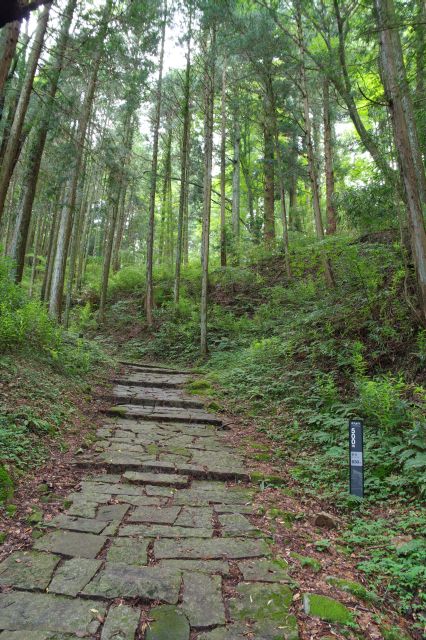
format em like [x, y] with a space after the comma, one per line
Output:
[182, 529]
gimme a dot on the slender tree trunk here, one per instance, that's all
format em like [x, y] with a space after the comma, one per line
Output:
[108, 250]
[8, 42]
[164, 199]
[58, 275]
[37, 240]
[282, 202]
[149, 300]
[328, 160]
[47, 278]
[209, 81]
[36, 150]
[223, 170]
[13, 143]
[269, 178]
[120, 231]
[184, 166]
[236, 184]
[311, 157]
[398, 94]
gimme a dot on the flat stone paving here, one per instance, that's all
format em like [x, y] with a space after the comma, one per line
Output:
[158, 543]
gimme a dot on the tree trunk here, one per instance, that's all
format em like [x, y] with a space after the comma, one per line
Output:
[9, 40]
[115, 200]
[236, 184]
[282, 203]
[269, 179]
[13, 142]
[209, 82]
[223, 170]
[184, 166]
[398, 94]
[47, 278]
[149, 300]
[36, 150]
[311, 157]
[35, 258]
[328, 160]
[65, 226]
[164, 199]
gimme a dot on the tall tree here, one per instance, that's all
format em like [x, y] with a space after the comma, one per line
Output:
[66, 217]
[13, 146]
[149, 299]
[405, 136]
[209, 90]
[36, 150]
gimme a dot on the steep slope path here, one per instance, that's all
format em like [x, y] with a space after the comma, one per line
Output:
[158, 543]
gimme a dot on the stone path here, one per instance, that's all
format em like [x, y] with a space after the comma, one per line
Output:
[158, 543]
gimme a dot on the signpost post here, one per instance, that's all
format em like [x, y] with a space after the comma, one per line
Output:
[356, 458]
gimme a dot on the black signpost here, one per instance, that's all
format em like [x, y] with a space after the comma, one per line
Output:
[356, 458]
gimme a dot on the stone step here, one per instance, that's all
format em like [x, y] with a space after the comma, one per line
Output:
[149, 396]
[121, 463]
[153, 368]
[159, 479]
[157, 381]
[164, 414]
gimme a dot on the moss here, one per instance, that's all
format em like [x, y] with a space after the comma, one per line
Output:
[287, 517]
[119, 411]
[262, 457]
[307, 561]
[200, 387]
[214, 406]
[6, 486]
[11, 510]
[327, 609]
[3, 536]
[152, 449]
[35, 517]
[355, 588]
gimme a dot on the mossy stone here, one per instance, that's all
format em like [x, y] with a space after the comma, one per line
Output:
[355, 588]
[267, 605]
[327, 609]
[167, 622]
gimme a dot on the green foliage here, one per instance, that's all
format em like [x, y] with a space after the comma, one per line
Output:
[370, 207]
[6, 485]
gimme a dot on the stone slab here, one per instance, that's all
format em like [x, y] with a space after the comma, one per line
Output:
[30, 570]
[195, 517]
[128, 551]
[201, 566]
[73, 575]
[21, 610]
[165, 515]
[267, 606]
[111, 512]
[71, 544]
[235, 631]
[123, 581]
[167, 623]
[121, 623]
[264, 570]
[71, 523]
[202, 599]
[235, 524]
[163, 531]
[215, 548]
